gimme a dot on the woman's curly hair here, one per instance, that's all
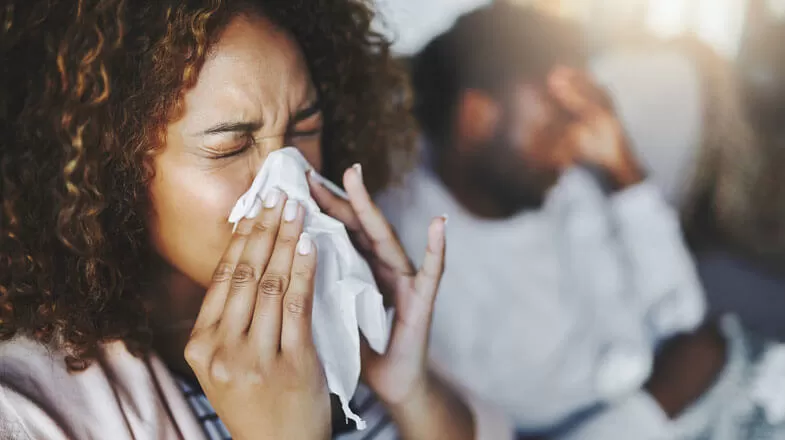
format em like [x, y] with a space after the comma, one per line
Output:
[86, 90]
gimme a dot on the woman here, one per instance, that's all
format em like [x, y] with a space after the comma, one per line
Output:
[129, 129]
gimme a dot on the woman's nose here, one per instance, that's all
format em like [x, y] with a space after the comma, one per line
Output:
[266, 146]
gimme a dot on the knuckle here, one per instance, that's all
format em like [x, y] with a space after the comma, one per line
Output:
[263, 226]
[273, 285]
[287, 239]
[254, 377]
[303, 271]
[244, 273]
[219, 370]
[226, 363]
[236, 365]
[197, 353]
[244, 227]
[223, 272]
[298, 306]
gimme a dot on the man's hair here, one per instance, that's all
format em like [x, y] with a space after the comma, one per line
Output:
[488, 49]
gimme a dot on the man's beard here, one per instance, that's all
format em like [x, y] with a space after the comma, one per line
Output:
[507, 178]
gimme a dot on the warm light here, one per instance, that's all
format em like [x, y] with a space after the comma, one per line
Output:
[776, 8]
[576, 9]
[668, 18]
[415, 22]
[721, 23]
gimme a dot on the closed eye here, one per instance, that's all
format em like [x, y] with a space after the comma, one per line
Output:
[306, 122]
[245, 142]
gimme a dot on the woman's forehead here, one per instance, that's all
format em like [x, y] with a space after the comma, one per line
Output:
[253, 66]
[255, 45]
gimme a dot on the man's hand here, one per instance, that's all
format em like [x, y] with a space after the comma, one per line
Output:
[686, 368]
[595, 136]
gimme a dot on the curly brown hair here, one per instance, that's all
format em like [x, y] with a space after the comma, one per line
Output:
[88, 87]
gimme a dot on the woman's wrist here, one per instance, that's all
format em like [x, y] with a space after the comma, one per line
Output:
[433, 411]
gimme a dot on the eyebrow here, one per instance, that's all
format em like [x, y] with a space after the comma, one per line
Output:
[233, 127]
[312, 109]
[245, 127]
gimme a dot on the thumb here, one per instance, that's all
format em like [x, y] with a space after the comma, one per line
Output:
[368, 358]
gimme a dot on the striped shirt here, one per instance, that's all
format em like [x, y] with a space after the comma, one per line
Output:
[379, 424]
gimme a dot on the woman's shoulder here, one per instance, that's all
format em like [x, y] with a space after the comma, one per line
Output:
[36, 368]
[38, 371]
[23, 355]
[34, 386]
[115, 396]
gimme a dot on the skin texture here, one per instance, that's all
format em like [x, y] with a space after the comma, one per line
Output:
[140, 242]
[251, 347]
[516, 149]
[254, 75]
[688, 365]
[84, 136]
[422, 405]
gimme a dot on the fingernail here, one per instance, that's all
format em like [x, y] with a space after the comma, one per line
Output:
[359, 169]
[445, 219]
[272, 198]
[304, 246]
[290, 210]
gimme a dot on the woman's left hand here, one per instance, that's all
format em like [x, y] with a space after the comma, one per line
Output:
[401, 372]
[422, 406]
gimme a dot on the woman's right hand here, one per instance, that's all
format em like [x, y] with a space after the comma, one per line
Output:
[251, 347]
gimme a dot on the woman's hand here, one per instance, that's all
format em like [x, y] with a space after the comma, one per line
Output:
[251, 347]
[423, 406]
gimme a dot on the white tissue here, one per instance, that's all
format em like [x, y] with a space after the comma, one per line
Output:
[346, 295]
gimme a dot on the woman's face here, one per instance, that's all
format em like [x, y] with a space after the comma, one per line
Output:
[253, 96]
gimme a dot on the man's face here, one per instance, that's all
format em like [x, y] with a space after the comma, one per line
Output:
[524, 154]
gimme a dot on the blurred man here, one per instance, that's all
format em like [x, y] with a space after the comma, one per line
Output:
[565, 268]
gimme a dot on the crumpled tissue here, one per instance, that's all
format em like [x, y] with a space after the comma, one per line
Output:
[346, 299]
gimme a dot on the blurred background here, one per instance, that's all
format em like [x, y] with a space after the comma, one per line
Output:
[699, 89]
[746, 32]
[727, 25]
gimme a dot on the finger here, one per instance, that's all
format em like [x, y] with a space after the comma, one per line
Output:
[298, 302]
[261, 238]
[214, 300]
[598, 94]
[414, 320]
[385, 244]
[368, 357]
[426, 283]
[267, 316]
[342, 210]
[333, 205]
[566, 87]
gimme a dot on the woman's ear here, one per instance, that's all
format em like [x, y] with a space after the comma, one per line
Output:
[477, 119]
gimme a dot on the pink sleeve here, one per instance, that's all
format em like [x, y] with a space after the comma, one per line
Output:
[23, 419]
